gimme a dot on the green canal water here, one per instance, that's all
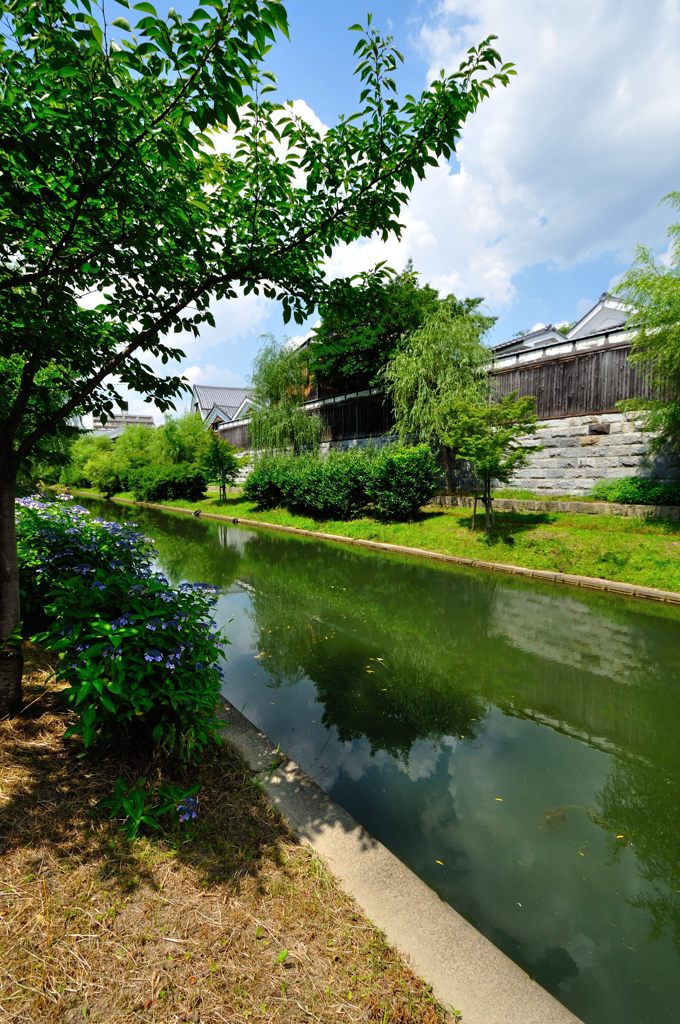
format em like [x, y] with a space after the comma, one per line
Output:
[516, 744]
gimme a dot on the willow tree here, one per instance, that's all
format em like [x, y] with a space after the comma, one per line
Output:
[279, 385]
[111, 186]
[440, 367]
[652, 288]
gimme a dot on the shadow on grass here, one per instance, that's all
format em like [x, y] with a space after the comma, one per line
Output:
[51, 789]
[507, 525]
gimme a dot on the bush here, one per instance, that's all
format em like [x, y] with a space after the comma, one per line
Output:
[402, 480]
[160, 483]
[637, 490]
[57, 542]
[333, 487]
[347, 475]
[396, 480]
[301, 479]
[140, 657]
[262, 483]
[140, 660]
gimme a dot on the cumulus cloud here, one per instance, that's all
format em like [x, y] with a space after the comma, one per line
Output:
[565, 165]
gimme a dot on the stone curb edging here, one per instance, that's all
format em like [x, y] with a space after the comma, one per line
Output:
[589, 508]
[547, 575]
[462, 966]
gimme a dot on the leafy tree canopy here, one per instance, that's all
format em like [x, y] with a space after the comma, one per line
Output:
[110, 185]
[652, 288]
[364, 320]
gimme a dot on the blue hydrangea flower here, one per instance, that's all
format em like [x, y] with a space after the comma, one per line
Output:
[188, 808]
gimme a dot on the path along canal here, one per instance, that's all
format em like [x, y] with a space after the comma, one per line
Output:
[516, 744]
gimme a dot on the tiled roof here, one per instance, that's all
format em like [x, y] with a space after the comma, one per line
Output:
[228, 399]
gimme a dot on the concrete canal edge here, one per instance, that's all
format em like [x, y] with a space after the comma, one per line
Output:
[465, 969]
[547, 575]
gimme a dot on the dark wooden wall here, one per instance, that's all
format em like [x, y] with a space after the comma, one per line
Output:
[576, 384]
[238, 435]
[572, 385]
[367, 416]
[364, 416]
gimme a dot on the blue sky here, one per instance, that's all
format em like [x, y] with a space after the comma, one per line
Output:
[556, 178]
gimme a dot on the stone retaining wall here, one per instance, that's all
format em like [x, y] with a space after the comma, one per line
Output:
[578, 451]
[589, 508]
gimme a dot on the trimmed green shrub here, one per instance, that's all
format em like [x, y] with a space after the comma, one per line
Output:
[396, 480]
[347, 475]
[402, 480]
[330, 487]
[637, 490]
[302, 483]
[160, 483]
[262, 483]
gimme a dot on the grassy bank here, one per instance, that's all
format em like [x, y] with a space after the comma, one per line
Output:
[225, 920]
[640, 551]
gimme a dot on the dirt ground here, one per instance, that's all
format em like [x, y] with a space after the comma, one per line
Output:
[222, 921]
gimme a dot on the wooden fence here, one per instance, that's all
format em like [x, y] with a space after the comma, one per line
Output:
[359, 416]
[344, 419]
[576, 384]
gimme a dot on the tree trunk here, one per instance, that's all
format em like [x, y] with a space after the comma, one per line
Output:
[11, 658]
[488, 504]
[449, 461]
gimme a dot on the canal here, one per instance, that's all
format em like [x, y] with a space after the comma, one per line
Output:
[516, 744]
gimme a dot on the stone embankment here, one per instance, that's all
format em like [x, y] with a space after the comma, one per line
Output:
[579, 451]
[595, 508]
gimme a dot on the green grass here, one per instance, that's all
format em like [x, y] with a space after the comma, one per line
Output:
[640, 551]
[524, 495]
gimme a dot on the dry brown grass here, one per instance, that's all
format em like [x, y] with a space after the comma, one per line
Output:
[191, 927]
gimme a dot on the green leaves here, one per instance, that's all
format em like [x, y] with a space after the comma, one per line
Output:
[653, 291]
[110, 185]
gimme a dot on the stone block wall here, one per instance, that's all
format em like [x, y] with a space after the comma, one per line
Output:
[578, 451]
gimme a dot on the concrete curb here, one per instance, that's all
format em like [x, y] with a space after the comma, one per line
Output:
[463, 967]
[547, 575]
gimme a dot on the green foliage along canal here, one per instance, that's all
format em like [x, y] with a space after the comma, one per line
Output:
[517, 745]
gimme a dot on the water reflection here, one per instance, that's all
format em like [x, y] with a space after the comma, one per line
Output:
[497, 735]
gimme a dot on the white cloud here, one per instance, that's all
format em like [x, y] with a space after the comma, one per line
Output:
[566, 164]
[236, 320]
[210, 373]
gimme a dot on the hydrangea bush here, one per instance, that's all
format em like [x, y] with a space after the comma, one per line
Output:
[59, 541]
[140, 657]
